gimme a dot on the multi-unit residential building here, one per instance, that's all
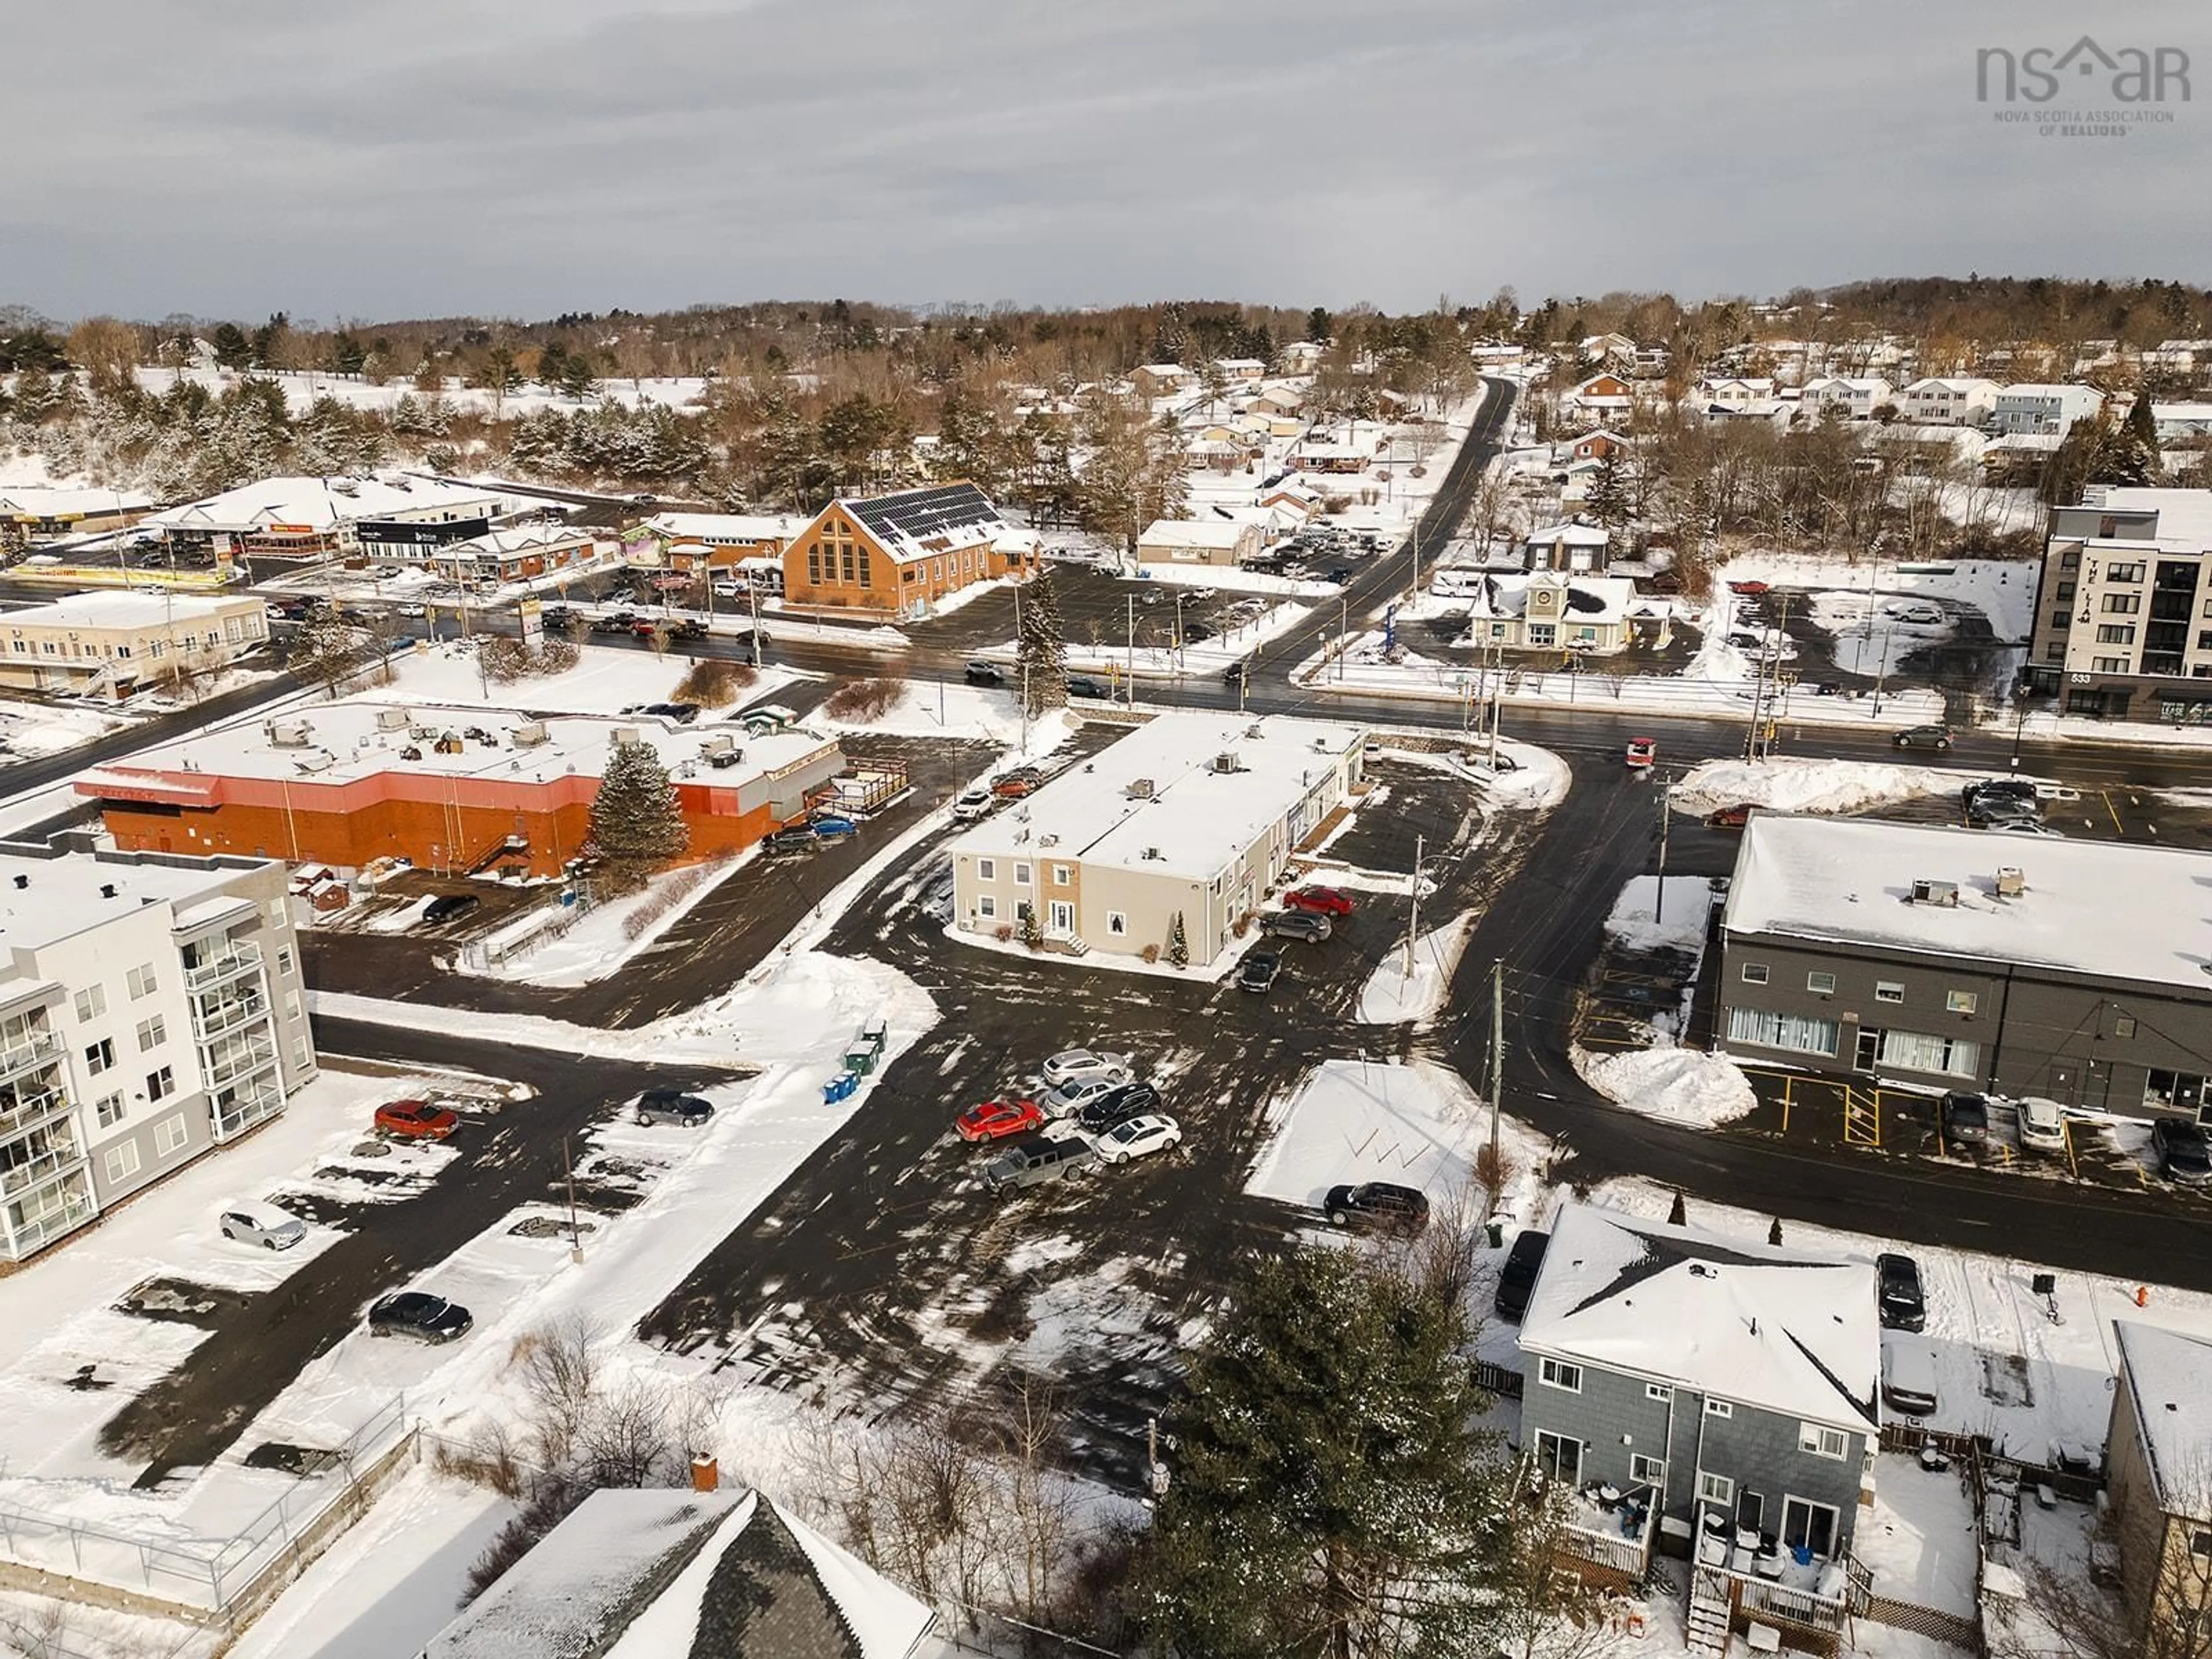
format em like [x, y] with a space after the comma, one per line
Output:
[2124, 610]
[2158, 1460]
[2048, 409]
[1190, 815]
[1707, 1397]
[463, 790]
[1947, 957]
[1948, 400]
[151, 1008]
[901, 553]
[1853, 397]
[115, 642]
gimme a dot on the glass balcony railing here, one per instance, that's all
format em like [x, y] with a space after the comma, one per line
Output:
[21, 1177]
[41, 1048]
[73, 1211]
[235, 960]
[238, 1061]
[212, 1017]
[27, 1110]
[233, 1116]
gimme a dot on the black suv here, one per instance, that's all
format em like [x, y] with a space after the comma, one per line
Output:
[2183, 1155]
[1900, 1300]
[1517, 1279]
[1259, 970]
[1997, 789]
[1118, 1105]
[1082, 686]
[673, 1106]
[450, 906]
[418, 1313]
[1965, 1118]
[1377, 1206]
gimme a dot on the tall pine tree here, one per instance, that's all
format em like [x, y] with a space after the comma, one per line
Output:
[636, 823]
[1042, 648]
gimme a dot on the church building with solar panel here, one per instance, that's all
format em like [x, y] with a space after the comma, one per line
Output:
[903, 553]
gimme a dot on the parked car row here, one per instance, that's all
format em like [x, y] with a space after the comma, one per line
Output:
[1965, 1119]
[1308, 915]
[1091, 1107]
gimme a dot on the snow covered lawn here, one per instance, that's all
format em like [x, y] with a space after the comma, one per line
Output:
[1796, 783]
[604, 680]
[1919, 1536]
[1393, 995]
[1207, 657]
[28, 730]
[1235, 579]
[1354, 1121]
[1682, 1085]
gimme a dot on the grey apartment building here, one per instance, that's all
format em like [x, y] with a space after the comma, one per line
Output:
[2124, 611]
[1958, 958]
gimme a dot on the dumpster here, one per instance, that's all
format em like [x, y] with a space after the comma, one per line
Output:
[866, 1052]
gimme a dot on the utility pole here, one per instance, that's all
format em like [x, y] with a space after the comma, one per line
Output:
[1132, 650]
[1343, 632]
[1881, 673]
[1497, 705]
[1666, 817]
[1413, 912]
[576, 1233]
[1497, 1054]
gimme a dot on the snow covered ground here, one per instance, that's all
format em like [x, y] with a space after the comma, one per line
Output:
[1394, 996]
[1642, 921]
[1207, 658]
[604, 680]
[1796, 783]
[28, 730]
[1354, 1121]
[599, 944]
[301, 388]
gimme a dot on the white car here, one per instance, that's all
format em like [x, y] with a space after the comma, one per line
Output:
[1079, 1064]
[1071, 1097]
[972, 805]
[2024, 827]
[1922, 615]
[1139, 1136]
[2042, 1124]
[262, 1225]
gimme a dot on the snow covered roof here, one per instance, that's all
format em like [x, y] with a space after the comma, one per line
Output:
[2185, 516]
[1589, 599]
[62, 896]
[918, 524]
[117, 608]
[2102, 909]
[523, 539]
[2169, 1376]
[1221, 534]
[1781, 1329]
[322, 504]
[646, 1574]
[1574, 535]
[2041, 389]
[1952, 383]
[1190, 820]
[17, 502]
[726, 528]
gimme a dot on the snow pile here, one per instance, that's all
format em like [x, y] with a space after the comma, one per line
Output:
[29, 730]
[604, 680]
[1681, 1085]
[1393, 995]
[1642, 923]
[600, 942]
[1356, 1120]
[1791, 783]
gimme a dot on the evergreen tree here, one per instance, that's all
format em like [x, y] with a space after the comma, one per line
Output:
[1774, 1233]
[636, 822]
[1042, 647]
[1318, 323]
[2142, 430]
[1178, 942]
[1679, 1215]
[1607, 498]
[325, 651]
[1330, 1493]
[269, 340]
[348, 354]
[232, 348]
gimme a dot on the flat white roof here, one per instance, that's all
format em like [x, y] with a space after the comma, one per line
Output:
[2114, 912]
[726, 527]
[68, 503]
[324, 503]
[62, 896]
[1778, 1328]
[1194, 532]
[1195, 819]
[117, 608]
[2185, 516]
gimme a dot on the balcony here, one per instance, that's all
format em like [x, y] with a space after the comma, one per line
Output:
[55, 1160]
[1606, 1528]
[235, 962]
[43, 1048]
[238, 1061]
[212, 1018]
[1766, 1581]
[75, 1209]
[236, 1115]
[19, 1112]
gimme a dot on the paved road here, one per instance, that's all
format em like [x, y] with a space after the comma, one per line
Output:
[19, 776]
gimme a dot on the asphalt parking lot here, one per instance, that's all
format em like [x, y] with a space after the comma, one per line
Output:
[1095, 611]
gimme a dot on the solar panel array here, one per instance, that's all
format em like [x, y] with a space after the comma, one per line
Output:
[922, 513]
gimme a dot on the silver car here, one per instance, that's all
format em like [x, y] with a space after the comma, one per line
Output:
[263, 1226]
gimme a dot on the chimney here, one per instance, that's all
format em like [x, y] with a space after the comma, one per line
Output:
[107, 889]
[21, 882]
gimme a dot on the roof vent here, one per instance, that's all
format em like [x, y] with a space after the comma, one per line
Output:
[1139, 789]
[21, 882]
[393, 720]
[1224, 762]
[529, 734]
[107, 889]
[627, 737]
[2011, 882]
[1936, 892]
[290, 734]
[319, 760]
[1699, 1270]
[1151, 853]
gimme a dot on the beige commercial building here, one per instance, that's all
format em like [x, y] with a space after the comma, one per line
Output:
[1194, 816]
[1199, 541]
[112, 644]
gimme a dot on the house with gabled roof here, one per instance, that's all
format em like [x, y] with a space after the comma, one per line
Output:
[901, 553]
[1606, 400]
[1717, 1396]
[713, 1574]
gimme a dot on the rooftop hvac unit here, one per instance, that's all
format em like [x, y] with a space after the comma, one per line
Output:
[718, 745]
[422, 733]
[2011, 882]
[393, 720]
[627, 737]
[290, 734]
[1936, 892]
[1139, 789]
[315, 760]
[1224, 762]
[530, 734]
[1151, 853]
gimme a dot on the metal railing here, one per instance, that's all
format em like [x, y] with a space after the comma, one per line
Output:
[226, 1015]
[239, 1062]
[238, 959]
[21, 1177]
[76, 1209]
[31, 1110]
[43, 1049]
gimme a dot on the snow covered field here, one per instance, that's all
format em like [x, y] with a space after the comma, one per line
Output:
[1354, 1121]
[28, 730]
[604, 680]
[1796, 783]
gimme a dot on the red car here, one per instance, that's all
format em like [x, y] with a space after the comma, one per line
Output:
[1641, 751]
[1330, 901]
[1751, 590]
[1729, 817]
[994, 1120]
[1015, 785]
[415, 1120]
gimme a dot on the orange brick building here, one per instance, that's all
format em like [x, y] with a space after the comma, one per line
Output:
[900, 554]
[460, 790]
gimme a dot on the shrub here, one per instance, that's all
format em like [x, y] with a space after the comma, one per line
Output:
[864, 700]
[1493, 1168]
[714, 682]
[506, 661]
[1151, 953]
[1004, 932]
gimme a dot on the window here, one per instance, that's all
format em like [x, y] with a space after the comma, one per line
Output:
[2178, 1091]
[986, 905]
[1651, 1471]
[1800, 1034]
[284, 960]
[2124, 573]
[1024, 876]
[1559, 1458]
[1062, 875]
[1716, 1489]
[1719, 1408]
[1809, 1526]
[986, 869]
[1961, 1002]
[1823, 1441]
[1658, 1391]
[868, 571]
[122, 1161]
[2124, 1025]
[1557, 1374]
[2200, 1543]
[2108, 665]
[2062, 592]
[92, 1002]
[2122, 605]
[109, 1112]
[1820, 984]
[99, 1057]
[292, 1009]
[1754, 973]
[303, 1052]
[152, 1033]
[2069, 560]
[143, 983]
[1888, 990]
[170, 1136]
[161, 1085]
[2116, 634]
[1117, 922]
[1912, 1051]
[814, 563]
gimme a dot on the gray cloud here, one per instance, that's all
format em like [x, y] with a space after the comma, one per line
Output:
[481, 156]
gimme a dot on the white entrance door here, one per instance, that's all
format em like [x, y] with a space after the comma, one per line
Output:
[1063, 916]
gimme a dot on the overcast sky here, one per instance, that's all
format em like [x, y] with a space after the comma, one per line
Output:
[524, 157]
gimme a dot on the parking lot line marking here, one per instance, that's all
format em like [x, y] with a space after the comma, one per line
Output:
[2118, 827]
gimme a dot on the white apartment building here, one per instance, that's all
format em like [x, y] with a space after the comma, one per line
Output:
[1856, 396]
[2123, 614]
[2045, 408]
[1191, 815]
[112, 643]
[151, 1009]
